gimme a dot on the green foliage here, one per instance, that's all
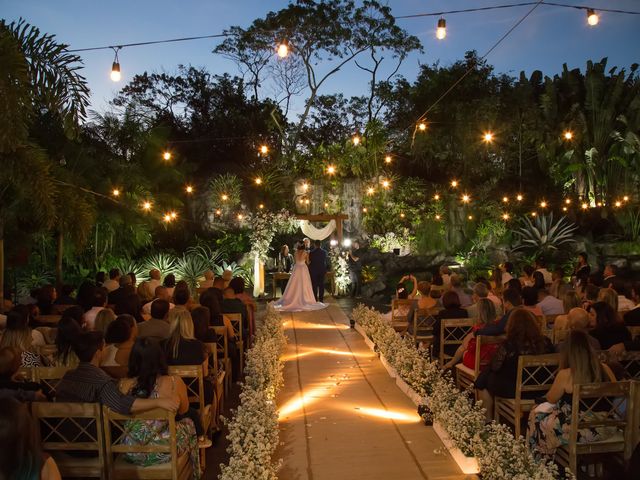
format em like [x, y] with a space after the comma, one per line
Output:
[233, 243]
[243, 271]
[126, 265]
[191, 268]
[369, 273]
[492, 232]
[430, 237]
[630, 222]
[543, 236]
[227, 186]
[162, 261]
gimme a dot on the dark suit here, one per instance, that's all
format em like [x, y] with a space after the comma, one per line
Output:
[317, 271]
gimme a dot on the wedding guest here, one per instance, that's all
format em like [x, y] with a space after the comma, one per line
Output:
[84, 298]
[100, 278]
[548, 304]
[624, 304]
[134, 279]
[578, 319]
[589, 295]
[404, 311]
[558, 285]
[609, 296]
[456, 285]
[610, 274]
[182, 295]
[11, 382]
[511, 300]
[211, 300]
[170, 284]
[208, 280]
[18, 335]
[238, 286]
[570, 300]
[157, 327]
[425, 300]
[609, 331]
[201, 321]
[514, 284]
[120, 337]
[526, 280]
[130, 305]
[481, 291]
[355, 268]
[507, 273]
[437, 286]
[452, 309]
[161, 293]
[549, 423]
[445, 274]
[103, 319]
[523, 338]
[539, 282]
[113, 282]
[632, 317]
[66, 296]
[541, 266]
[496, 278]
[68, 331]
[227, 275]
[232, 304]
[47, 296]
[467, 350]
[582, 271]
[124, 290]
[21, 456]
[98, 302]
[151, 284]
[530, 301]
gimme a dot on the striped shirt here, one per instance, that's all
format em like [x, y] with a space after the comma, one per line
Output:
[90, 384]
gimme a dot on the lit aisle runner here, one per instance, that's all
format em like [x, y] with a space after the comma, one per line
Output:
[342, 416]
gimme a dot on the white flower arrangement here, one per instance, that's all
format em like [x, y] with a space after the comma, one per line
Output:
[500, 456]
[253, 430]
[264, 226]
[389, 241]
[340, 268]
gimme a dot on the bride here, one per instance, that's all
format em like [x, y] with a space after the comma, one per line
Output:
[298, 296]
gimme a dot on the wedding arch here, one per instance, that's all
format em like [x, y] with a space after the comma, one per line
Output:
[334, 223]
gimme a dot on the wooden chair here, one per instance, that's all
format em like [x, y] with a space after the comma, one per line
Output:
[465, 377]
[423, 321]
[236, 322]
[50, 377]
[398, 321]
[66, 427]
[49, 319]
[193, 377]
[116, 433]
[222, 345]
[452, 332]
[218, 376]
[536, 374]
[598, 405]
[47, 351]
[628, 361]
[28, 373]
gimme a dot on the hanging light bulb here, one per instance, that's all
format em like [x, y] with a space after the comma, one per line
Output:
[470, 217]
[568, 201]
[437, 217]
[387, 159]
[115, 192]
[356, 140]
[240, 216]
[166, 155]
[331, 169]
[364, 209]
[564, 209]
[441, 31]
[422, 126]
[218, 212]
[224, 197]
[436, 197]
[534, 214]
[568, 135]
[618, 204]
[188, 189]
[371, 191]
[264, 149]
[454, 183]
[258, 181]
[402, 215]
[146, 205]
[625, 198]
[505, 216]
[543, 204]
[261, 206]
[519, 197]
[592, 17]
[487, 137]
[505, 199]
[283, 49]
[115, 67]
[466, 198]
[305, 186]
[386, 183]
[584, 206]
[167, 217]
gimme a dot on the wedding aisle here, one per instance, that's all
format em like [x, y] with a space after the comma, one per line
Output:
[342, 416]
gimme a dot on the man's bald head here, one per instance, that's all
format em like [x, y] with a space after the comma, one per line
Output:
[578, 319]
[162, 293]
[155, 274]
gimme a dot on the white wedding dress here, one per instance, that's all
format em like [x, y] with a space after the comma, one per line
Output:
[298, 296]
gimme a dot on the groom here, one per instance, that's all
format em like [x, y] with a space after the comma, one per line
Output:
[317, 270]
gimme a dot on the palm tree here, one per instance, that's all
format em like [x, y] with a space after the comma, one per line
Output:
[38, 75]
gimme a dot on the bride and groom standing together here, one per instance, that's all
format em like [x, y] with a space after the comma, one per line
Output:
[305, 288]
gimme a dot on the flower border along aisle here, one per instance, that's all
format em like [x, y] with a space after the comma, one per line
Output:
[253, 431]
[499, 454]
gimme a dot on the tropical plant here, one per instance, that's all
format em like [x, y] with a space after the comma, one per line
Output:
[544, 236]
[226, 191]
[162, 261]
[191, 268]
[126, 265]
[243, 271]
[630, 222]
[205, 253]
[369, 273]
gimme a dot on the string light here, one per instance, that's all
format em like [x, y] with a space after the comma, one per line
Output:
[331, 169]
[224, 197]
[422, 126]
[166, 156]
[356, 140]
[240, 216]
[146, 205]
[505, 216]
[519, 197]
[441, 31]
[371, 191]
[564, 209]
[387, 159]
[364, 209]
[261, 206]
[618, 204]
[437, 217]
[568, 201]
[116, 75]
[487, 137]
[189, 189]
[174, 215]
[283, 49]
[115, 192]
[592, 17]
[326, 204]
[264, 149]
[505, 199]
[305, 186]
[568, 135]
[386, 183]
[625, 198]
[599, 204]
[534, 214]
[454, 183]
[167, 217]
[436, 197]
[402, 215]
[218, 212]
[258, 181]
[584, 206]
[466, 198]
[543, 204]
[470, 217]
[306, 201]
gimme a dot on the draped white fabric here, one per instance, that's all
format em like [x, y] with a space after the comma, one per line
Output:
[317, 233]
[258, 277]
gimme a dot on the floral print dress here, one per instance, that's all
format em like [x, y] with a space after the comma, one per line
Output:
[156, 432]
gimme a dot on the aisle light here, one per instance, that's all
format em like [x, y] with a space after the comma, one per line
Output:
[592, 17]
[441, 31]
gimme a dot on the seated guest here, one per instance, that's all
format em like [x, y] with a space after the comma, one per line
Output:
[148, 288]
[496, 279]
[437, 286]
[11, 380]
[134, 280]
[98, 302]
[404, 311]
[558, 284]
[124, 290]
[541, 267]
[507, 273]
[21, 456]
[530, 301]
[238, 286]
[452, 309]
[130, 305]
[147, 378]
[103, 319]
[182, 296]
[538, 281]
[182, 348]
[609, 330]
[120, 337]
[480, 291]
[170, 283]
[549, 305]
[161, 293]
[208, 280]
[47, 296]
[68, 331]
[18, 335]
[157, 327]
[610, 275]
[578, 319]
[425, 300]
[456, 282]
[445, 274]
[570, 300]
[609, 296]
[100, 278]
[85, 295]
[66, 296]
[549, 422]
[114, 281]
[523, 338]
[632, 317]
[624, 304]
[514, 284]
[227, 276]
[511, 300]
[490, 295]
[90, 384]
[582, 271]
[467, 351]
[210, 300]
[589, 295]
[526, 280]
[232, 304]
[201, 321]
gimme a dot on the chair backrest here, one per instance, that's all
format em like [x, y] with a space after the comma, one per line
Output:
[48, 351]
[396, 303]
[236, 323]
[606, 404]
[60, 426]
[118, 441]
[49, 319]
[50, 377]
[28, 373]
[212, 357]
[49, 334]
[452, 332]
[423, 321]
[628, 361]
[193, 377]
[536, 373]
[222, 342]
[485, 340]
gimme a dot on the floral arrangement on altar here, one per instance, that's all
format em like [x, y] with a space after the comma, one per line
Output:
[253, 431]
[264, 226]
[340, 268]
[389, 241]
[499, 454]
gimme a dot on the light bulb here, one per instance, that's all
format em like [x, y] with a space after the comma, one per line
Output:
[466, 198]
[167, 217]
[261, 206]
[618, 203]
[224, 197]
[166, 155]
[283, 50]
[488, 137]
[370, 191]
[441, 31]
[543, 204]
[454, 183]
[218, 212]
[519, 197]
[568, 135]
[470, 217]
[505, 199]
[534, 214]
[146, 205]
[387, 159]
[386, 183]
[505, 216]
[173, 215]
[564, 209]
[436, 197]
[437, 217]
[264, 149]
[116, 76]
[240, 216]
[625, 198]
[356, 140]
[592, 17]
[568, 201]
[584, 206]
[331, 169]
[364, 209]
[305, 186]
[116, 192]
[422, 126]
[258, 181]
[189, 189]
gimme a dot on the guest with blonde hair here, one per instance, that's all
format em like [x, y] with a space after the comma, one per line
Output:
[609, 296]
[103, 319]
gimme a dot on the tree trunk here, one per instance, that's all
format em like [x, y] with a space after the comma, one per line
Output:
[2, 265]
[59, 255]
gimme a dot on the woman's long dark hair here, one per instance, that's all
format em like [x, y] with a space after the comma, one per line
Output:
[606, 316]
[146, 363]
[20, 455]
[68, 331]
[201, 319]
[130, 305]
[523, 331]
[209, 299]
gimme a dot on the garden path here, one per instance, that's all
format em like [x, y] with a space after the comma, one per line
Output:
[342, 416]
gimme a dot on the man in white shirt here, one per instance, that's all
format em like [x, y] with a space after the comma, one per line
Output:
[161, 293]
[610, 273]
[507, 272]
[114, 280]
[208, 280]
[99, 303]
[549, 305]
[151, 285]
[541, 267]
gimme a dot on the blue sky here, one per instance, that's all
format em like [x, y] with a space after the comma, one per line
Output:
[547, 39]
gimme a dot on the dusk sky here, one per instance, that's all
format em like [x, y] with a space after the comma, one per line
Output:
[550, 37]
